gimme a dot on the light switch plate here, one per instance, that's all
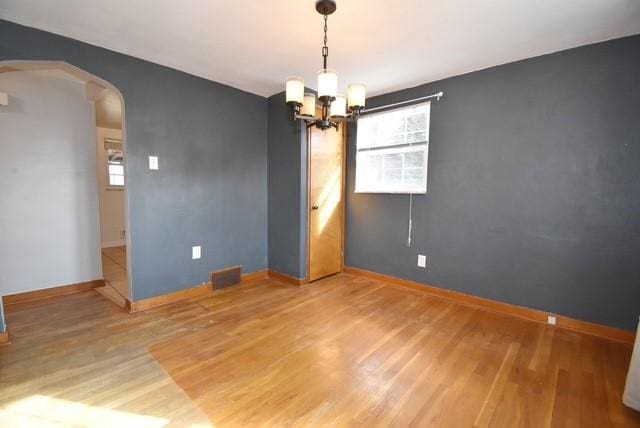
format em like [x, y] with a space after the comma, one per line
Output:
[153, 162]
[195, 252]
[422, 261]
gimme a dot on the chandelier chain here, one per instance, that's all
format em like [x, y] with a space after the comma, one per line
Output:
[325, 49]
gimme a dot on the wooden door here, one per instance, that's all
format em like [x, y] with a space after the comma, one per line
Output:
[326, 201]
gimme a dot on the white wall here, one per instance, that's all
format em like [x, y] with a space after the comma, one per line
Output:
[112, 221]
[49, 215]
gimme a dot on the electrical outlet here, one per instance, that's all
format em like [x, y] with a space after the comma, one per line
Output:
[196, 252]
[551, 320]
[153, 162]
[422, 261]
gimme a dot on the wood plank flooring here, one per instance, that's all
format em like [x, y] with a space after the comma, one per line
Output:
[114, 269]
[344, 351]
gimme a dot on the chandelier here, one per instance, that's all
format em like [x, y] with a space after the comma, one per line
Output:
[335, 107]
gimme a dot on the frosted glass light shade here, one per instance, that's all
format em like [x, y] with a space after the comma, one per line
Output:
[295, 90]
[339, 106]
[327, 83]
[309, 105]
[356, 94]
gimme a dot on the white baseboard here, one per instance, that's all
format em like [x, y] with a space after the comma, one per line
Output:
[113, 244]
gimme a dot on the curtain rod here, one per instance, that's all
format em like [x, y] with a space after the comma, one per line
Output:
[437, 96]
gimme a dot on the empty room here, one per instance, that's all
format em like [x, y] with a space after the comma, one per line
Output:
[301, 213]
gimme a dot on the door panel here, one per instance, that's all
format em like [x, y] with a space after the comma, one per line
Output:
[326, 201]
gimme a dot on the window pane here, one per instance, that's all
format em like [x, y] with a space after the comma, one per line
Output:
[116, 169]
[116, 180]
[369, 169]
[390, 140]
[375, 160]
[413, 176]
[392, 176]
[393, 160]
[401, 126]
[374, 171]
[417, 122]
[417, 137]
[392, 124]
[414, 159]
[373, 176]
[367, 133]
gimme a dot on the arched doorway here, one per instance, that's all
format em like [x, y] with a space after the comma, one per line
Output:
[40, 218]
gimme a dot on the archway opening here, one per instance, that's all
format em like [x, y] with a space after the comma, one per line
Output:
[67, 221]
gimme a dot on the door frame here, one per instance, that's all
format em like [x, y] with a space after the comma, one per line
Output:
[343, 128]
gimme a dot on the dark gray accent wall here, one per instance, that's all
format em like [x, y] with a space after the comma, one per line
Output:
[287, 170]
[533, 193]
[211, 188]
[533, 187]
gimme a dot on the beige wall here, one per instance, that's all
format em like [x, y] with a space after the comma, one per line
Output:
[112, 202]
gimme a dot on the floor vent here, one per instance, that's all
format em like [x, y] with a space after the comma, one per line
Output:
[227, 277]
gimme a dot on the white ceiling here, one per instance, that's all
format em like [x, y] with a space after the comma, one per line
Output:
[389, 45]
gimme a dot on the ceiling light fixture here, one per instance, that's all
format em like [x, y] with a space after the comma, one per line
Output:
[335, 107]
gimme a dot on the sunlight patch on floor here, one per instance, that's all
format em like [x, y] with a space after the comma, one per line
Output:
[48, 412]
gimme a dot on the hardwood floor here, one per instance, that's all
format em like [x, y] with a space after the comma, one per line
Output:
[114, 269]
[344, 351]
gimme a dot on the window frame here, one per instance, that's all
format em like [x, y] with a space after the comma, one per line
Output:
[114, 144]
[403, 148]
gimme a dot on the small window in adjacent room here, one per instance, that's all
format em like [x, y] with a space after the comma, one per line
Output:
[393, 150]
[115, 162]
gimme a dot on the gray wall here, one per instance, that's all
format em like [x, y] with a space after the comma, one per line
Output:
[287, 154]
[533, 187]
[50, 218]
[211, 189]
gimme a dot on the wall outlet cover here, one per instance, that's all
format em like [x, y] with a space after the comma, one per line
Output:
[153, 162]
[422, 261]
[196, 252]
[551, 320]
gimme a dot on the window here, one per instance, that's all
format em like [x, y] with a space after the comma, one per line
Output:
[392, 151]
[115, 162]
